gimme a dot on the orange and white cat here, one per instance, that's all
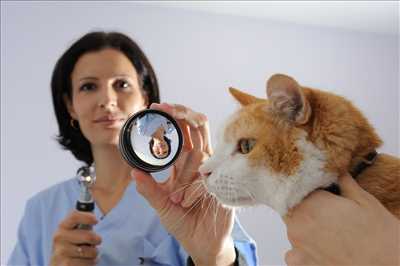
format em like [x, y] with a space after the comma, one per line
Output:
[277, 151]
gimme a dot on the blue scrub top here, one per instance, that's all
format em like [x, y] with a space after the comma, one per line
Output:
[130, 231]
[149, 123]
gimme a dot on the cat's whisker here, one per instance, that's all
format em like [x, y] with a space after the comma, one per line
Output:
[248, 180]
[185, 214]
[218, 206]
[205, 197]
[199, 185]
[235, 196]
[180, 189]
[214, 204]
[216, 215]
[197, 202]
[205, 194]
[252, 197]
[184, 186]
[224, 218]
[205, 213]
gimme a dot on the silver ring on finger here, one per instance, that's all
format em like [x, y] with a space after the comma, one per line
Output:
[80, 251]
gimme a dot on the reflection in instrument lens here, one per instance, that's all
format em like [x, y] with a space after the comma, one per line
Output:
[151, 140]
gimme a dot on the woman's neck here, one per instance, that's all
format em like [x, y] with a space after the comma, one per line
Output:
[111, 169]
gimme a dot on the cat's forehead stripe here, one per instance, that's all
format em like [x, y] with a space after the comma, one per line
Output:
[244, 123]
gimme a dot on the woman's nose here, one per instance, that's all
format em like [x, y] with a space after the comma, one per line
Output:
[108, 99]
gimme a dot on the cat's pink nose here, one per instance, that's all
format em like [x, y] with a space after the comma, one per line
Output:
[206, 174]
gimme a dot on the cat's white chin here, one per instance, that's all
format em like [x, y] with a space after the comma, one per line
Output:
[237, 202]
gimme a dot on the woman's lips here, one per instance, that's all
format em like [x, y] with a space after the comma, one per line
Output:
[109, 121]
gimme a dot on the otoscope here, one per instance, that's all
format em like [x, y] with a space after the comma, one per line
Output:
[85, 202]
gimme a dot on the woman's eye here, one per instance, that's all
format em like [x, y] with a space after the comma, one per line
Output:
[122, 84]
[87, 87]
[246, 145]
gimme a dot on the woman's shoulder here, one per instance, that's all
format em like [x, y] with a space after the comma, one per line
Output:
[41, 217]
[64, 191]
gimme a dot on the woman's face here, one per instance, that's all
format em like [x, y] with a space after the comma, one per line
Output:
[105, 92]
[160, 148]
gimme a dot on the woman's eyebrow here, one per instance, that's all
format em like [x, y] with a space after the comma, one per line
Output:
[114, 76]
[123, 76]
[85, 78]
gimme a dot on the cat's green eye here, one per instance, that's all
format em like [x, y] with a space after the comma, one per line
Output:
[246, 145]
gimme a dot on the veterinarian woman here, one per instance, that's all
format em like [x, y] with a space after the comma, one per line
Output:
[97, 83]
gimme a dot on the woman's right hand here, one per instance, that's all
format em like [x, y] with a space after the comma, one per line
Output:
[73, 246]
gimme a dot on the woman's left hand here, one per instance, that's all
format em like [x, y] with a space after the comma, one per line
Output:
[197, 221]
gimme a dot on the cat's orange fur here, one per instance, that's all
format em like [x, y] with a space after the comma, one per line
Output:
[333, 125]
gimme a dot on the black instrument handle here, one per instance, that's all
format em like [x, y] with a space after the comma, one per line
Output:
[84, 207]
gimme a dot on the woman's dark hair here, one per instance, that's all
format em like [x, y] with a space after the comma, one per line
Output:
[151, 143]
[61, 86]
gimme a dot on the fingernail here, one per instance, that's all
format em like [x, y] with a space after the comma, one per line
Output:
[154, 105]
[192, 122]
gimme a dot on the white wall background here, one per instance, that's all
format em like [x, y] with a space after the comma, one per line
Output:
[197, 56]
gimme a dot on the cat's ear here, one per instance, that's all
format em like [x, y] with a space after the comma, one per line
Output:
[244, 98]
[288, 99]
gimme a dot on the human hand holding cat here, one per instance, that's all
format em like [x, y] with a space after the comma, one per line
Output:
[181, 202]
[352, 229]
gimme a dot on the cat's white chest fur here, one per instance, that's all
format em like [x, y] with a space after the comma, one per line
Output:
[235, 183]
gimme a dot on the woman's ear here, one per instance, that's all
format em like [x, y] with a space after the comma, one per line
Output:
[287, 99]
[244, 98]
[69, 106]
